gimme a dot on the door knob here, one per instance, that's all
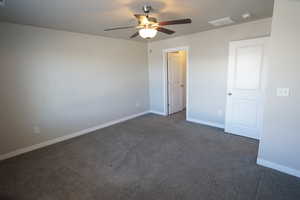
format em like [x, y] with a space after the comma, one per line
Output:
[229, 94]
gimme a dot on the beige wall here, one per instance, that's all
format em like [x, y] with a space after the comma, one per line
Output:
[280, 141]
[208, 58]
[65, 82]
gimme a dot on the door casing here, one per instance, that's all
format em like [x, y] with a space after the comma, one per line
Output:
[165, 77]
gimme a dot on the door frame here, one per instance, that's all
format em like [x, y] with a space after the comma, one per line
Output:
[264, 80]
[165, 77]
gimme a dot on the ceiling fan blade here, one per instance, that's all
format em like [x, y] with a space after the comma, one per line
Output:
[119, 28]
[173, 22]
[145, 19]
[152, 19]
[134, 35]
[164, 30]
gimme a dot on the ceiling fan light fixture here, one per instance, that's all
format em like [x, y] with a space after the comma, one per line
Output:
[148, 26]
[148, 33]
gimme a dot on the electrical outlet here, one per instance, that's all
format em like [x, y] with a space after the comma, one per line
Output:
[36, 130]
[137, 104]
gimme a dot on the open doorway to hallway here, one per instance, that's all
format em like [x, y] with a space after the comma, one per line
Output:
[176, 82]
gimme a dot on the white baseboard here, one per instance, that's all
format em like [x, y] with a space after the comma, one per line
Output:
[67, 137]
[208, 123]
[278, 167]
[157, 112]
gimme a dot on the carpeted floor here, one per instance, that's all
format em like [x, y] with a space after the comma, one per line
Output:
[147, 158]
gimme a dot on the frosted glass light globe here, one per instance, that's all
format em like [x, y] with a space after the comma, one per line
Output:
[147, 33]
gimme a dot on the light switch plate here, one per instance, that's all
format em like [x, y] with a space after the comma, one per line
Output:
[283, 92]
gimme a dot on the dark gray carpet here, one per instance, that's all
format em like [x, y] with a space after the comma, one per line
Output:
[147, 158]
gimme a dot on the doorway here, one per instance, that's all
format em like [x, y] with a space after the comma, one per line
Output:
[248, 61]
[176, 82]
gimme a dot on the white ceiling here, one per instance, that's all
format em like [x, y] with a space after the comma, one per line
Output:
[93, 16]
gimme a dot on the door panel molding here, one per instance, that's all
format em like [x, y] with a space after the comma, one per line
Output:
[165, 77]
[175, 80]
[247, 66]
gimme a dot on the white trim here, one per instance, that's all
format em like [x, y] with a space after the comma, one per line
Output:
[165, 84]
[207, 123]
[278, 167]
[67, 137]
[230, 127]
[157, 112]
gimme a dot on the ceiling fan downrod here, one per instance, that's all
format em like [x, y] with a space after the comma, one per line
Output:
[147, 9]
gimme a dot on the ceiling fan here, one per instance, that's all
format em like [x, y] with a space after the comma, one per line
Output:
[148, 26]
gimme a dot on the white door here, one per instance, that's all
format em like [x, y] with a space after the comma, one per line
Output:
[246, 82]
[175, 83]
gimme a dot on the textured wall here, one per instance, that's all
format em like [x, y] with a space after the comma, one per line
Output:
[208, 59]
[280, 141]
[65, 82]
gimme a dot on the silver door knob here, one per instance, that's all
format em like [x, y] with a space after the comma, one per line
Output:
[229, 94]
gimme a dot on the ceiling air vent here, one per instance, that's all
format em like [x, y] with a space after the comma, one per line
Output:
[2, 3]
[221, 22]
